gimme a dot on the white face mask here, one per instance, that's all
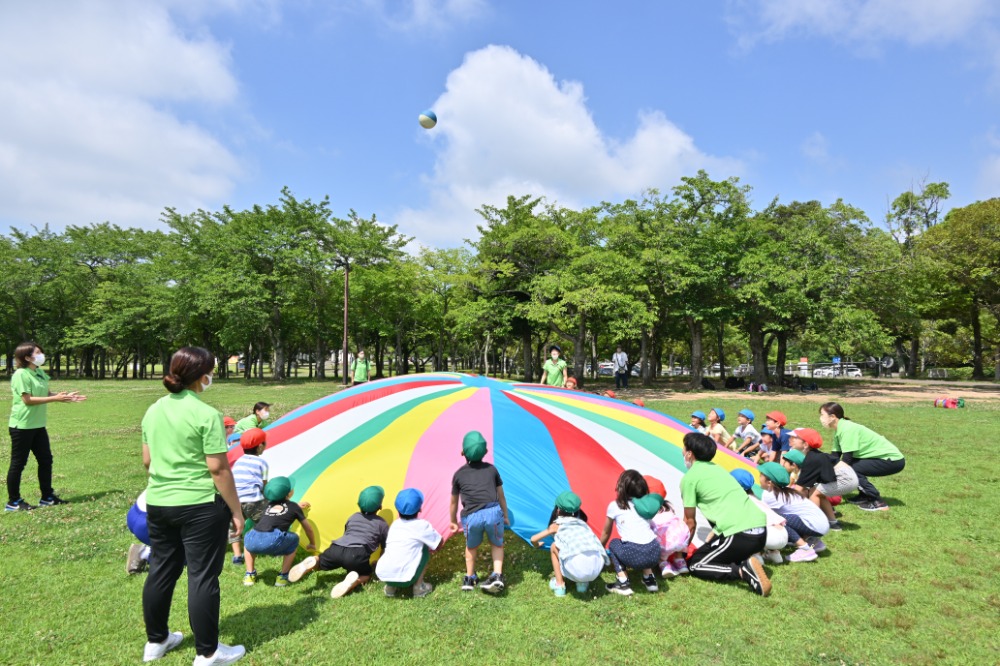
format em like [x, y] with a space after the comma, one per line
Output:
[265, 415]
[38, 359]
[205, 385]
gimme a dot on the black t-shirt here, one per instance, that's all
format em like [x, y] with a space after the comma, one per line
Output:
[476, 483]
[279, 516]
[364, 530]
[816, 469]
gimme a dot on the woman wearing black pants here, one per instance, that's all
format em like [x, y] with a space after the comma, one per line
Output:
[190, 501]
[28, 435]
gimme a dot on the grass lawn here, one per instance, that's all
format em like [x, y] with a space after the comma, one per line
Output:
[918, 584]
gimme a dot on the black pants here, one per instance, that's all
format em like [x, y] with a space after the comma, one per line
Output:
[865, 467]
[22, 442]
[721, 558]
[197, 534]
[621, 380]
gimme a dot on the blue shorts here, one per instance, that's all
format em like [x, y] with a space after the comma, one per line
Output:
[271, 543]
[488, 521]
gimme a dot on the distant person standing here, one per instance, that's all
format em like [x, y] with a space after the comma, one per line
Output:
[620, 361]
[360, 368]
[554, 372]
[30, 388]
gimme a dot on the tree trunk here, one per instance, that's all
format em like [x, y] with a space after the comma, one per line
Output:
[977, 342]
[911, 364]
[320, 358]
[695, 327]
[580, 348]
[779, 367]
[529, 367]
[722, 352]
[758, 354]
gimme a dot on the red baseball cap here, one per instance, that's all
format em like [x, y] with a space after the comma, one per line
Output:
[252, 438]
[655, 486]
[809, 436]
[228, 421]
[779, 417]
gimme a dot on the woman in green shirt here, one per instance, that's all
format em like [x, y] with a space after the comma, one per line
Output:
[30, 388]
[866, 451]
[554, 371]
[190, 501]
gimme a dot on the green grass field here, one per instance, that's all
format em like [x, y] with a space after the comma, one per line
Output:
[919, 584]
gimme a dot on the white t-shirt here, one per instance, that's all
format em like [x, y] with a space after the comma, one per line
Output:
[809, 513]
[631, 526]
[742, 432]
[403, 548]
[620, 360]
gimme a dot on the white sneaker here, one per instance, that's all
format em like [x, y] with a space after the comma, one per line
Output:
[154, 651]
[667, 570]
[296, 573]
[422, 589]
[344, 586]
[224, 654]
[817, 544]
[773, 556]
[389, 591]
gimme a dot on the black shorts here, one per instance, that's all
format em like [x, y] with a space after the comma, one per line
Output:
[351, 559]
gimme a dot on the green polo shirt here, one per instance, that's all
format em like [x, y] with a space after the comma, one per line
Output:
[361, 370]
[36, 384]
[863, 442]
[180, 430]
[246, 423]
[554, 372]
[721, 499]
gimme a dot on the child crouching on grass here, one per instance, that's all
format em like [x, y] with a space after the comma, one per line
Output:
[272, 536]
[637, 548]
[408, 547]
[364, 533]
[803, 519]
[577, 555]
[818, 477]
[777, 535]
[671, 533]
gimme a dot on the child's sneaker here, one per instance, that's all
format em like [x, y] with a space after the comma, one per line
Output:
[249, 578]
[667, 569]
[860, 498]
[224, 654]
[557, 589]
[753, 573]
[817, 544]
[296, 573]
[51, 500]
[344, 586]
[803, 554]
[494, 584]
[390, 591]
[835, 526]
[650, 583]
[154, 651]
[238, 560]
[619, 587]
[680, 565]
[422, 589]
[773, 556]
[281, 580]
[134, 563]
[18, 505]
[874, 505]
[582, 587]
[469, 583]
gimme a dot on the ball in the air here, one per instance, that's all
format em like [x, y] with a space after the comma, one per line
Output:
[428, 119]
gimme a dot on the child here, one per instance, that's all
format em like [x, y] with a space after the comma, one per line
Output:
[739, 526]
[137, 560]
[791, 460]
[818, 477]
[715, 429]
[638, 547]
[261, 412]
[776, 422]
[671, 533]
[364, 533]
[698, 421]
[484, 511]
[230, 425]
[250, 473]
[745, 439]
[766, 445]
[802, 517]
[571, 383]
[576, 552]
[272, 535]
[408, 547]
[777, 535]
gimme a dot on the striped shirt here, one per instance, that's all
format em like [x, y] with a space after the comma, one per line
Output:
[575, 538]
[250, 473]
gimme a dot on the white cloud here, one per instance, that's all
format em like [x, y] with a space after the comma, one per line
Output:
[816, 148]
[988, 182]
[866, 22]
[87, 130]
[409, 15]
[507, 127]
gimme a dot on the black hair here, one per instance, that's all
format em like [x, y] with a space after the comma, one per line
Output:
[408, 516]
[259, 406]
[784, 492]
[701, 446]
[833, 409]
[188, 365]
[699, 419]
[556, 512]
[630, 486]
[555, 348]
[23, 353]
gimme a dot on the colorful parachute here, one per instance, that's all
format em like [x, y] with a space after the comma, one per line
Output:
[407, 432]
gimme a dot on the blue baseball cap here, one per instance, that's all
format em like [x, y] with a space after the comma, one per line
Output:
[721, 414]
[699, 414]
[766, 431]
[409, 501]
[743, 477]
[747, 413]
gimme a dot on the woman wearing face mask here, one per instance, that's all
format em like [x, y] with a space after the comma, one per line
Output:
[360, 369]
[554, 371]
[30, 389]
[261, 412]
[190, 501]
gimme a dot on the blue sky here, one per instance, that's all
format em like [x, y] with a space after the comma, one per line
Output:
[115, 110]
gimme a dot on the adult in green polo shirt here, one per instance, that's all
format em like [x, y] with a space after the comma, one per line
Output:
[867, 452]
[29, 387]
[738, 525]
[190, 501]
[360, 368]
[554, 369]
[260, 412]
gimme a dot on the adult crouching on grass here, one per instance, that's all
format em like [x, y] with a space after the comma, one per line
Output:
[867, 452]
[27, 426]
[190, 500]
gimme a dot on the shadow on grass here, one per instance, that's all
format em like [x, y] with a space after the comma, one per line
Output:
[92, 497]
[261, 624]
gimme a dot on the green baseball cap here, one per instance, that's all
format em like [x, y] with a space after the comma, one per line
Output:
[474, 446]
[277, 488]
[568, 501]
[775, 472]
[794, 456]
[370, 499]
[648, 505]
